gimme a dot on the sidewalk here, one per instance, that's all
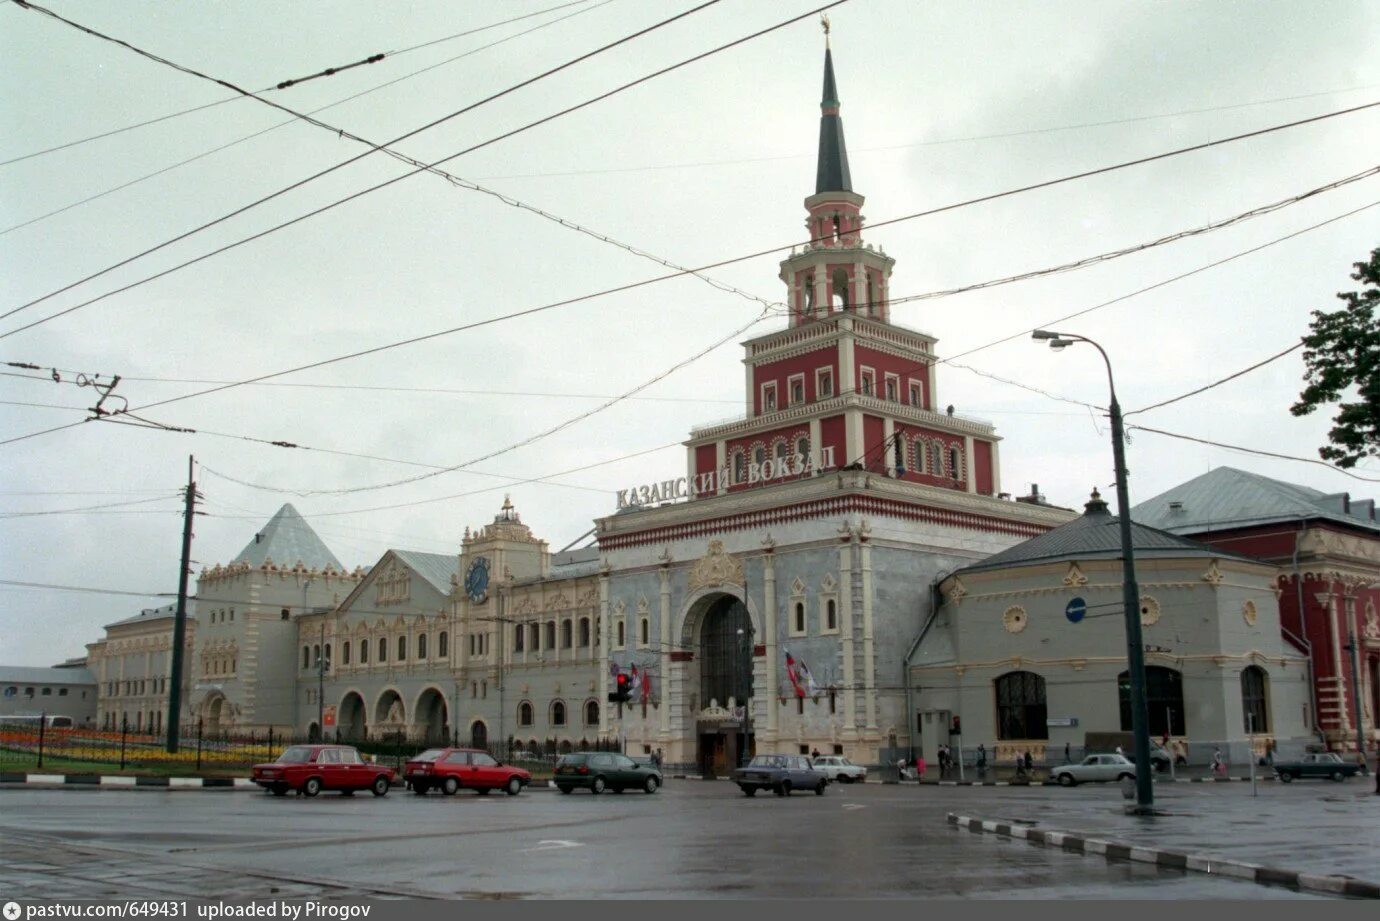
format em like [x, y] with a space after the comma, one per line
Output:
[1319, 828]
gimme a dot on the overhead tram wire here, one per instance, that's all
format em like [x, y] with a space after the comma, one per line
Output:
[930, 143]
[301, 182]
[293, 121]
[531, 439]
[742, 258]
[1255, 451]
[236, 98]
[1217, 383]
[952, 360]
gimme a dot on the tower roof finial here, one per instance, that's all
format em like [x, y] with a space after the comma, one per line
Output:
[824, 21]
[832, 173]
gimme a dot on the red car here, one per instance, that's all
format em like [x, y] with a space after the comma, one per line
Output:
[309, 769]
[449, 769]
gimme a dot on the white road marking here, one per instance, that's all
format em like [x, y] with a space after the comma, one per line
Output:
[854, 806]
[556, 845]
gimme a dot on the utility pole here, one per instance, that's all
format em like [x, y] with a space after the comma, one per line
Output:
[180, 621]
[321, 685]
[1356, 701]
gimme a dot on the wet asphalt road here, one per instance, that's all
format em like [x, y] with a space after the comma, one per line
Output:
[693, 839]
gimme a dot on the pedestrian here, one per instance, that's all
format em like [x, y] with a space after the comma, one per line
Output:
[656, 758]
[1219, 766]
[982, 760]
[814, 755]
[943, 760]
[1029, 763]
[920, 768]
[1120, 752]
[1068, 759]
[1270, 752]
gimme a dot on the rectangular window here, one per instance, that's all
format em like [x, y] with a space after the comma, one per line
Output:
[796, 388]
[893, 388]
[867, 382]
[769, 397]
[916, 394]
[824, 383]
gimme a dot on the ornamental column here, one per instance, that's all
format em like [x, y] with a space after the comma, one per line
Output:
[846, 536]
[664, 716]
[769, 639]
[869, 657]
[604, 650]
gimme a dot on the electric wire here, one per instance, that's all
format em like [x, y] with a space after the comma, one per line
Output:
[938, 210]
[1217, 383]
[236, 98]
[1256, 451]
[294, 120]
[301, 182]
[930, 143]
[90, 508]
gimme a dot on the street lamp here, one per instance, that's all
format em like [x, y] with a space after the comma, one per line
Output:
[745, 651]
[1135, 651]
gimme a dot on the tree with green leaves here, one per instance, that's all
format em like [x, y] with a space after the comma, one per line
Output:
[1342, 355]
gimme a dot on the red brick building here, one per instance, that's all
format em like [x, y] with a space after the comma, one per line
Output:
[1327, 550]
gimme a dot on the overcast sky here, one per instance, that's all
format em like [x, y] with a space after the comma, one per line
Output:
[942, 101]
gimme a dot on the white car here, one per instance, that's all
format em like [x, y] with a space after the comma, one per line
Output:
[839, 769]
[1094, 768]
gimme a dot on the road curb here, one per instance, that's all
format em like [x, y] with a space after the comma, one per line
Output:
[1197, 863]
[127, 780]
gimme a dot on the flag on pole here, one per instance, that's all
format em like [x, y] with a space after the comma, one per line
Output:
[804, 676]
[636, 680]
[646, 686]
[793, 673]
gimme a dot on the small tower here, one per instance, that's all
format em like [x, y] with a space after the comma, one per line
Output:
[835, 271]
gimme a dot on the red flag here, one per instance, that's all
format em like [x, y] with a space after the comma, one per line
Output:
[646, 686]
[793, 674]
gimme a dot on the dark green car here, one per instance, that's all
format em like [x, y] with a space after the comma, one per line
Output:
[600, 771]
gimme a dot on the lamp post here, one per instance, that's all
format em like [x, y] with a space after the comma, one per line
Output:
[745, 651]
[1135, 651]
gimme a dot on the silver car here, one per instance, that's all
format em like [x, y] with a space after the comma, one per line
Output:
[1094, 768]
[839, 769]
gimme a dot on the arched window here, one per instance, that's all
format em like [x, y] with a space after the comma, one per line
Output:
[584, 631]
[519, 635]
[345, 653]
[782, 450]
[443, 644]
[759, 455]
[644, 631]
[524, 714]
[328, 655]
[1164, 700]
[306, 657]
[955, 462]
[363, 652]
[800, 617]
[1254, 703]
[621, 637]
[918, 460]
[402, 649]
[534, 636]
[839, 285]
[558, 713]
[567, 634]
[383, 650]
[802, 447]
[1021, 711]
[831, 614]
[316, 654]
[739, 467]
[591, 713]
[421, 646]
[550, 634]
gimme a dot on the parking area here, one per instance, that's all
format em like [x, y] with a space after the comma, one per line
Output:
[691, 839]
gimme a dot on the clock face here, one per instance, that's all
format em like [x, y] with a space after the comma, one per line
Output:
[477, 580]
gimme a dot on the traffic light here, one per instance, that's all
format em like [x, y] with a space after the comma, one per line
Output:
[955, 729]
[622, 689]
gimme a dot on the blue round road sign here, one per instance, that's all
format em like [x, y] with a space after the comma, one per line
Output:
[1075, 610]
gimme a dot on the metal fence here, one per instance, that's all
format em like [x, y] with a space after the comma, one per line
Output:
[122, 749]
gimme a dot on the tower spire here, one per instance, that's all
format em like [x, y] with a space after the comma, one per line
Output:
[832, 173]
